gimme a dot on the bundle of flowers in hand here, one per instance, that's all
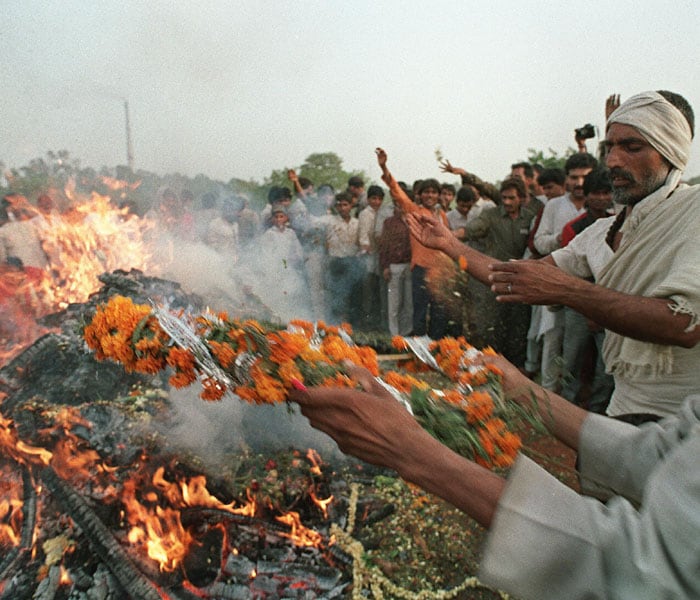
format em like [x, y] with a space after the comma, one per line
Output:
[478, 399]
[262, 365]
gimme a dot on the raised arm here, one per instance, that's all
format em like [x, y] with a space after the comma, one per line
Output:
[401, 198]
[294, 178]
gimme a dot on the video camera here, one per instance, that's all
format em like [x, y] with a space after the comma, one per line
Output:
[586, 132]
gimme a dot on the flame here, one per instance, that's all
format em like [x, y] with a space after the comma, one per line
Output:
[10, 508]
[159, 528]
[92, 238]
[299, 534]
[116, 185]
[315, 459]
[322, 504]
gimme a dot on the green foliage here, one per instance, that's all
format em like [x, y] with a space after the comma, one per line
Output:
[549, 161]
[57, 169]
[320, 167]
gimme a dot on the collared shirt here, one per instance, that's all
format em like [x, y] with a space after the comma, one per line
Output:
[342, 237]
[394, 243]
[556, 213]
[505, 237]
[366, 221]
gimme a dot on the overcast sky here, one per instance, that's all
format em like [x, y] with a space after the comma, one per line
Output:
[236, 89]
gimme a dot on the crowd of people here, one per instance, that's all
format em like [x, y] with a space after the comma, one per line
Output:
[632, 533]
[585, 279]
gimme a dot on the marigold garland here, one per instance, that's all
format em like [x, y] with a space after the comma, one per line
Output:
[260, 366]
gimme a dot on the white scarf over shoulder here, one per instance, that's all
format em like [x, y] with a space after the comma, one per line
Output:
[659, 255]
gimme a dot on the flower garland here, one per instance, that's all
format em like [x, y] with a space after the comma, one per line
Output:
[262, 366]
[365, 575]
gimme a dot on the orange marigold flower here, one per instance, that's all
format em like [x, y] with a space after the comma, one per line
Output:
[246, 393]
[453, 397]
[479, 407]
[306, 326]
[490, 351]
[462, 262]
[224, 353]
[288, 371]
[494, 369]
[402, 382]
[212, 390]
[338, 380]
[181, 358]
[181, 379]
[286, 346]
[399, 343]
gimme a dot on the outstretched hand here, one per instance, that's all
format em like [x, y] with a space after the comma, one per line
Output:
[367, 424]
[430, 232]
[381, 157]
[611, 104]
[531, 282]
[446, 167]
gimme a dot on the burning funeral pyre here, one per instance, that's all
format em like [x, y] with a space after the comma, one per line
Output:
[107, 491]
[97, 502]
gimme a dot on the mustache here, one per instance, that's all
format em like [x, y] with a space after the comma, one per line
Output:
[618, 172]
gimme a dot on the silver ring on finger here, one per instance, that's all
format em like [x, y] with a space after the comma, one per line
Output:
[510, 288]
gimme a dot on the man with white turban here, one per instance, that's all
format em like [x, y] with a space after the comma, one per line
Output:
[645, 261]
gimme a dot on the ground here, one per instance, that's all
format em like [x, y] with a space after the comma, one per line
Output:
[426, 544]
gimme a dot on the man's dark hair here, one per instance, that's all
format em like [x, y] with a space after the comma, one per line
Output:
[305, 182]
[343, 197]
[466, 194]
[580, 160]
[597, 180]
[449, 187]
[355, 181]
[514, 183]
[278, 193]
[526, 167]
[375, 190]
[552, 175]
[683, 105]
[427, 184]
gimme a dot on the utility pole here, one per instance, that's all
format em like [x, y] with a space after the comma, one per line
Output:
[129, 147]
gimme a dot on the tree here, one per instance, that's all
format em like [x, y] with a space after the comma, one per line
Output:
[320, 167]
[552, 161]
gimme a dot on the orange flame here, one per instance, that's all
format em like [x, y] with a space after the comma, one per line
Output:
[94, 237]
[299, 534]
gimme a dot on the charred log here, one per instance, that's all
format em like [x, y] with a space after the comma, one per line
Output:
[101, 540]
[15, 556]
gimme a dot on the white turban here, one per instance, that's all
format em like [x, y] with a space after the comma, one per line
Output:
[661, 124]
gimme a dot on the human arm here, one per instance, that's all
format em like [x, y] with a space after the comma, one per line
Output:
[376, 428]
[611, 104]
[612, 550]
[485, 189]
[547, 238]
[432, 233]
[643, 318]
[407, 205]
[294, 178]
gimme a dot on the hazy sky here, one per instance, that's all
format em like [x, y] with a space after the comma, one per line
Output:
[236, 89]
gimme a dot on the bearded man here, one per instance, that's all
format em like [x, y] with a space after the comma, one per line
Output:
[647, 291]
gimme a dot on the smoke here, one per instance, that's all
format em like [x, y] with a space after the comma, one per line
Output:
[259, 284]
[215, 430]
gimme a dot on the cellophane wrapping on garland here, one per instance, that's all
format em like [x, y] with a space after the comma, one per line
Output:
[261, 365]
